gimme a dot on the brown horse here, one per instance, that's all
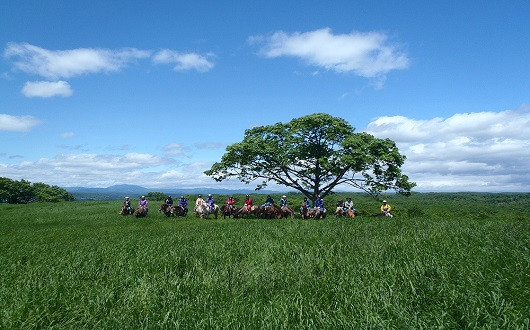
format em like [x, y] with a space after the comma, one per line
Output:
[140, 212]
[167, 209]
[272, 212]
[350, 213]
[227, 211]
[339, 212]
[179, 211]
[304, 210]
[287, 212]
[126, 210]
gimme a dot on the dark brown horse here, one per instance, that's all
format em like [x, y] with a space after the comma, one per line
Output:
[167, 209]
[140, 212]
[227, 211]
[126, 210]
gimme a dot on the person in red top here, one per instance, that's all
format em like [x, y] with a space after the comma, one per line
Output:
[248, 203]
[230, 203]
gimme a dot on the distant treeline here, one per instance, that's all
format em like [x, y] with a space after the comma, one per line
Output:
[23, 192]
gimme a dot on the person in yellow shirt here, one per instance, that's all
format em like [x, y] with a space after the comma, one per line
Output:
[385, 209]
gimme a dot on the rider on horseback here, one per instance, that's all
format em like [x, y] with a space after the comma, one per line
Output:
[230, 204]
[283, 201]
[183, 203]
[127, 204]
[248, 203]
[269, 201]
[169, 200]
[143, 203]
[210, 202]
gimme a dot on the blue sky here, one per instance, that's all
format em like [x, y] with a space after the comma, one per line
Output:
[151, 93]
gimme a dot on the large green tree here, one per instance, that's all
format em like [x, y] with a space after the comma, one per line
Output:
[23, 192]
[314, 154]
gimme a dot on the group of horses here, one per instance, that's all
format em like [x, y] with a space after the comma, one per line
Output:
[139, 212]
[258, 211]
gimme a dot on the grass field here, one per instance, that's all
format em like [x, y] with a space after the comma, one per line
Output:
[463, 262]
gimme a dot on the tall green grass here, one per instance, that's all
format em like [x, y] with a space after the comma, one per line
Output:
[461, 263]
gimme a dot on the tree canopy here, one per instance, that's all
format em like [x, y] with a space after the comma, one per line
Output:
[23, 192]
[314, 154]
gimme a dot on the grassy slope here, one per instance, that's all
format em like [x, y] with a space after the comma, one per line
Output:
[463, 262]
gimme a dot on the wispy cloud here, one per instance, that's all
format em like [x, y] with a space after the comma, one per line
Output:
[96, 170]
[366, 54]
[17, 123]
[67, 135]
[482, 151]
[210, 145]
[55, 64]
[47, 89]
[184, 61]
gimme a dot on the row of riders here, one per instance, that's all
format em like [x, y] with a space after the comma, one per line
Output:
[267, 210]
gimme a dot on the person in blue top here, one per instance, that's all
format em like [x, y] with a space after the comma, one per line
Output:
[283, 201]
[183, 203]
[319, 203]
[268, 201]
[210, 201]
[305, 203]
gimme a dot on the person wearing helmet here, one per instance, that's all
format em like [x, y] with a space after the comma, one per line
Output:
[210, 201]
[143, 203]
[248, 203]
[319, 203]
[169, 200]
[183, 203]
[268, 201]
[230, 204]
[127, 205]
[283, 201]
[199, 200]
[306, 202]
[385, 209]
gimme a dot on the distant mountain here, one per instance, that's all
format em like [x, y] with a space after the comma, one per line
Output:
[119, 191]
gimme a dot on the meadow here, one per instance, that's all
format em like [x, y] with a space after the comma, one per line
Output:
[444, 261]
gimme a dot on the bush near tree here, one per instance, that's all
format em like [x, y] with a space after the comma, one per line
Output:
[23, 192]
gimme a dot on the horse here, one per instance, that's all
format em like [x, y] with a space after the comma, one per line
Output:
[304, 211]
[167, 209]
[339, 212]
[126, 210]
[245, 211]
[350, 213]
[227, 211]
[271, 212]
[140, 212]
[320, 214]
[287, 212]
[203, 210]
[179, 211]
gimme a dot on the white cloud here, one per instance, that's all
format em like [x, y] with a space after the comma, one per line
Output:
[483, 151]
[184, 61]
[67, 135]
[54, 64]
[95, 170]
[175, 149]
[17, 123]
[366, 54]
[47, 89]
[210, 145]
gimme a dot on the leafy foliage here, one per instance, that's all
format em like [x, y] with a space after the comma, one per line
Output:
[23, 192]
[314, 154]
[156, 196]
